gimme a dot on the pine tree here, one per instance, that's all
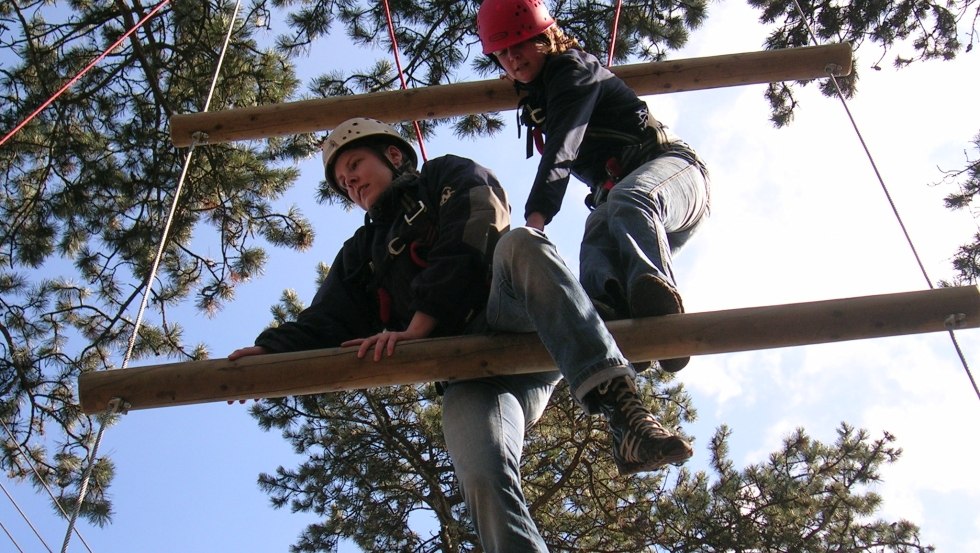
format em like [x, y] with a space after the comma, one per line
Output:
[966, 262]
[88, 183]
[377, 458]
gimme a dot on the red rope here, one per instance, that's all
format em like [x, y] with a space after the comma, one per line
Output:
[82, 73]
[615, 31]
[401, 75]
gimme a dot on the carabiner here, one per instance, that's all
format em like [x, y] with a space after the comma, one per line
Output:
[391, 246]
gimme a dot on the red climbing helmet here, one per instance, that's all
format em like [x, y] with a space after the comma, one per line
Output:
[504, 23]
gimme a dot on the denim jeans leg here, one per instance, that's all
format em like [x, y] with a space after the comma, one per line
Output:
[653, 211]
[534, 291]
[601, 269]
[484, 422]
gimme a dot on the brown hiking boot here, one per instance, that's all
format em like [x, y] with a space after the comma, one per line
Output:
[651, 296]
[640, 443]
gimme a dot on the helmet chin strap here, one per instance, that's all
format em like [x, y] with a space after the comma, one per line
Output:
[396, 171]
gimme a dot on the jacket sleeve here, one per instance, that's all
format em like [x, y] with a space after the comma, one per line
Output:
[340, 310]
[572, 89]
[472, 213]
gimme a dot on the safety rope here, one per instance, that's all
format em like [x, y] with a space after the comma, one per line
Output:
[615, 32]
[116, 405]
[950, 324]
[83, 72]
[401, 76]
[37, 473]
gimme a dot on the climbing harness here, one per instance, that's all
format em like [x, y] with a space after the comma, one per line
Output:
[416, 231]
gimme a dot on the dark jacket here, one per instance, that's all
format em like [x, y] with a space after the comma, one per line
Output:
[588, 116]
[446, 273]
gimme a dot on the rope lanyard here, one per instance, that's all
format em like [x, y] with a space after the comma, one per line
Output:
[840, 94]
[117, 405]
[7, 137]
[83, 72]
[615, 32]
[401, 76]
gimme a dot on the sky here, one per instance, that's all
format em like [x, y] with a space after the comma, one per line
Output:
[797, 215]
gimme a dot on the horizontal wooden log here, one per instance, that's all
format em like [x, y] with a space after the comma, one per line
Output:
[434, 102]
[464, 357]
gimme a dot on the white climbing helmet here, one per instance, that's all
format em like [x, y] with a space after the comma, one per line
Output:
[355, 130]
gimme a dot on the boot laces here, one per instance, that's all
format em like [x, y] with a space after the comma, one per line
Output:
[624, 405]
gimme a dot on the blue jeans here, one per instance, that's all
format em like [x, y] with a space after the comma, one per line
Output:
[484, 420]
[647, 217]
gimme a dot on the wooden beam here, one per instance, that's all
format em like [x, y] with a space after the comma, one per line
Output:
[812, 62]
[329, 370]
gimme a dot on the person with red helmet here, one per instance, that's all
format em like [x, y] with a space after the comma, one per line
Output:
[436, 257]
[650, 190]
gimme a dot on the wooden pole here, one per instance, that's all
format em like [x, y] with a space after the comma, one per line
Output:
[329, 370]
[812, 62]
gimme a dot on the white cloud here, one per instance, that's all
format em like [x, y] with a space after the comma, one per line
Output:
[798, 215]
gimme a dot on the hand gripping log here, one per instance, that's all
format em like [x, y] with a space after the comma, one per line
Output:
[328, 370]
[248, 123]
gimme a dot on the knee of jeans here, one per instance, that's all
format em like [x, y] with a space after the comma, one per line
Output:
[485, 474]
[517, 243]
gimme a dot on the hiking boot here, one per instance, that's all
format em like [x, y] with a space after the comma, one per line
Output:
[640, 443]
[651, 296]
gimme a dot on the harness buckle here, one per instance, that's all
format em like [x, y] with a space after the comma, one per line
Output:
[534, 115]
[614, 171]
[411, 219]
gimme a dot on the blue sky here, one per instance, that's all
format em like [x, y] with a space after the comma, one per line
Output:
[798, 215]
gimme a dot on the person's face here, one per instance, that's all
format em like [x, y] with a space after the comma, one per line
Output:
[522, 61]
[363, 175]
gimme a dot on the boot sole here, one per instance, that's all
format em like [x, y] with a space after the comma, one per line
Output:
[652, 297]
[627, 469]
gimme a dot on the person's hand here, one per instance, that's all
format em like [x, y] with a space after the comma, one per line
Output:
[420, 327]
[382, 342]
[535, 220]
[245, 352]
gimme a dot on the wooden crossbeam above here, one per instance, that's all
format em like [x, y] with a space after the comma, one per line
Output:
[434, 102]
[464, 357]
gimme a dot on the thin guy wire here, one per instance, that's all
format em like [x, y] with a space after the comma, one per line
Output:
[401, 76]
[149, 284]
[47, 488]
[81, 73]
[27, 520]
[898, 217]
[12, 540]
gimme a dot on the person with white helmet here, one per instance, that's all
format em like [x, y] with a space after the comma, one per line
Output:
[435, 258]
[650, 190]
